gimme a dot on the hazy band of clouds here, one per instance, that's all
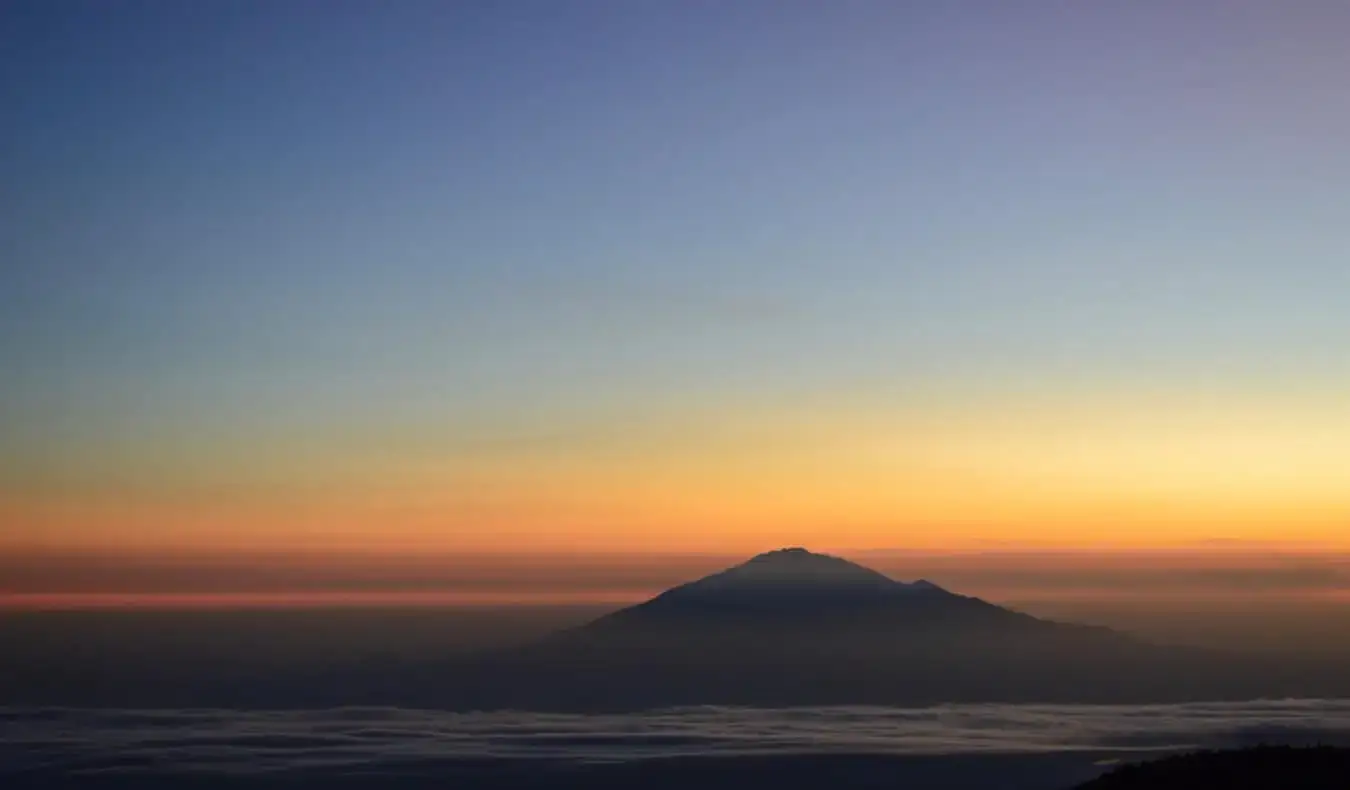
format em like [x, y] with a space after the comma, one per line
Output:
[1000, 576]
[74, 740]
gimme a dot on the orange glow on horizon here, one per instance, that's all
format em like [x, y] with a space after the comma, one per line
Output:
[345, 599]
[1097, 472]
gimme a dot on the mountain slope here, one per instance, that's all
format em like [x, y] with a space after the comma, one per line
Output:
[792, 627]
[785, 629]
[795, 595]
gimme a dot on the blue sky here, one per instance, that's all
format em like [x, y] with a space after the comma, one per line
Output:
[238, 218]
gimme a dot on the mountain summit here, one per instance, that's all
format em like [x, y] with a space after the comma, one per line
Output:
[798, 566]
[794, 595]
[795, 575]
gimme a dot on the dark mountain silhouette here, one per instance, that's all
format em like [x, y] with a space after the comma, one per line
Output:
[794, 597]
[1255, 768]
[792, 627]
[786, 628]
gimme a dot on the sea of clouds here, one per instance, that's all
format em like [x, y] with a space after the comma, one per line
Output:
[232, 741]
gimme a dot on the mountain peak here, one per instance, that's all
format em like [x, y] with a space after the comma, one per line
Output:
[798, 565]
[794, 555]
[789, 577]
[794, 627]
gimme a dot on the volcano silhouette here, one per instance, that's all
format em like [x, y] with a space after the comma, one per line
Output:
[787, 628]
[792, 627]
[794, 595]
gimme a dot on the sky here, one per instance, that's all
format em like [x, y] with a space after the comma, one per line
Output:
[427, 278]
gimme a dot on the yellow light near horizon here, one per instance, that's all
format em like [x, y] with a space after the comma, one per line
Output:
[1124, 473]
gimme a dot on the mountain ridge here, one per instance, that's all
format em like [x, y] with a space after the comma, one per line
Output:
[788, 629]
[791, 627]
[802, 587]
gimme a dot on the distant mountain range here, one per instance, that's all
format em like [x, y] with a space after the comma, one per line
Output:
[790, 605]
[792, 627]
[786, 628]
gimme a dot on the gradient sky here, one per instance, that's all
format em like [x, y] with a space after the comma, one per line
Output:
[672, 276]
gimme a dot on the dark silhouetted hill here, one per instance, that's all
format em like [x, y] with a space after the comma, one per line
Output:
[792, 627]
[1256, 768]
[786, 628]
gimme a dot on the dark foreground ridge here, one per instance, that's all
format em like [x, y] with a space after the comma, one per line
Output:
[1256, 768]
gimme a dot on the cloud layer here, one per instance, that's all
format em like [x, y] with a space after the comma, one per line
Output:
[1244, 571]
[375, 739]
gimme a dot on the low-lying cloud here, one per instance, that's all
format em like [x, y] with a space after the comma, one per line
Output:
[374, 739]
[998, 576]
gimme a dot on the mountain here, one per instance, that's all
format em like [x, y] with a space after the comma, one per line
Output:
[786, 628]
[792, 627]
[797, 597]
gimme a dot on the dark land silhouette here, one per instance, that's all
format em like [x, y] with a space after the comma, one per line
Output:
[1255, 768]
[785, 628]
[792, 627]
